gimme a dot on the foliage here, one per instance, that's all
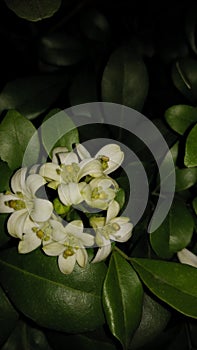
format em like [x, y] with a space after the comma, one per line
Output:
[57, 54]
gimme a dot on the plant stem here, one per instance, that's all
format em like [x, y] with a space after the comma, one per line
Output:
[125, 256]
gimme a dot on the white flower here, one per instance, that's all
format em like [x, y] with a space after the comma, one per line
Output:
[36, 233]
[98, 193]
[67, 175]
[23, 203]
[69, 245]
[110, 156]
[111, 228]
[187, 257]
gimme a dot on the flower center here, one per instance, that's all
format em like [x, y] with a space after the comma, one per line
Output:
[70, 173]
[98, 193]
[43, 233]
[16, 204]
[68, 252]
[109, 229]
[104, 161]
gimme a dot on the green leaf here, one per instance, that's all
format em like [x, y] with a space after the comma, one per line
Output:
[26, 337]
[171, 282]
[122, 299]
[95, 25]
[125, 79]
[58, 131]
[6, 173]
[59, 49]
[190, 159]
[120, 197]
[172, 154]
[181, 117]
[15, 134]
[34, 10]
[154, 319]
[8, 317]
[184, 76]
[185, 178]
[32, 95]
[194, 203]
[69, 303]
[175, 232]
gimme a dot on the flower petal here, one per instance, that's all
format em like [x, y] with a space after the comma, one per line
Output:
[34, 169]
[69, 193]
[16, 223]
[112, 211]
[42, 210]
[54, 249]
[74, 228]
[29, 243]
[82, 257]
[123, 234]
[86, 239]
[187, 257]
[115, 155]
[34, 182]
[51, 171]
[18, 180]
[58, 233]
[90, 167]
[66, 265]
[5, 198]
[102, 253]
[82, 152]
[56, 152]
[68, 158]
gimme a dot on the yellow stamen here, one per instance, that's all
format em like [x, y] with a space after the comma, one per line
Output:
[68, 252]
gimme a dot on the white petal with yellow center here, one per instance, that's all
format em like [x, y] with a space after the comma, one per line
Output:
[114, 154]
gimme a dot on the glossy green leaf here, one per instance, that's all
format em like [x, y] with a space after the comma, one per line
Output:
[69, 303]
[175, 232]
[184, 75]
[120, 197]
[185, 178]
[32, 95]
[95, 25]
[6, 173]
[181, 117]
[122, 299]
[172, 154]
[26, 337]
[154, 319]
[194, 203]
[8, 317]
[125, 79]
[83, 93]
[54, 128]
[171, 282]
[34, 10]
[59, 49]
[15, 134]
[190, 159]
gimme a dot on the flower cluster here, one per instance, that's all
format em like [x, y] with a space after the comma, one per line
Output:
[77, 181]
